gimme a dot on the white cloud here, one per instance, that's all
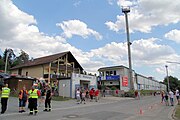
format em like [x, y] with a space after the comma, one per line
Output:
[76, 27]
[77, 3]
[111, 2]
[173, 35]
[146, 14]
[23, 33]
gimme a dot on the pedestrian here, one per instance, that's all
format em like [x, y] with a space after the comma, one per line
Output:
[83, 96]
[162, 96]
[48, 99]
[4, 98]
[166, 99]
[87, 93]
[171, 95]
[78, 96]
[43, 96]
[96, 94]
[33, 96]
[117, 92]
[23, 95]
[177, 96]
[91, 93]
[136, 93]
[104, 92]
[154, 93]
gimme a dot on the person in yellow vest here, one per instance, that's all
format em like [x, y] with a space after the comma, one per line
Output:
[23, 94]
[4, 98]
[33, 96]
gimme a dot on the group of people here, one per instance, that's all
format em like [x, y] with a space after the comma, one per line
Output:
[165, 96]
[30, 97]
[82, 95]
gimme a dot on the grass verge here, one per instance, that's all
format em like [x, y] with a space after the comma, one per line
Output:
[177, 113]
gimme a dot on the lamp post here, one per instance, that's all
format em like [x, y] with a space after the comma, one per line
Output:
[167, 77]
[126, 10]
[7, 55]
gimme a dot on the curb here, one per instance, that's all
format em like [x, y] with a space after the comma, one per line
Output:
[173, 114]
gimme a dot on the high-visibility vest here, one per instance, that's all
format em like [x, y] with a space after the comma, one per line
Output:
[33, 94]
[5, 92]
[21, 93]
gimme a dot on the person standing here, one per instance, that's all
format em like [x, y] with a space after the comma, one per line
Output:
[171, 95]
[91, 93]
[162, 96]
[136, 94]
[4, 98]
[83, 96]
[43, 96]
[96, 94]
[48, 99]
[33, 96]
[78, 96]
[22, 99]
[166, 99]
[177, 96]
[104, 92]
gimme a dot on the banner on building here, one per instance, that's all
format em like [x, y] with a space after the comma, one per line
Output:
[124, 81]
[113, 77]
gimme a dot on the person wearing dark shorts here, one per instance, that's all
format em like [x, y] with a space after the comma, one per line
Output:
[22, 99]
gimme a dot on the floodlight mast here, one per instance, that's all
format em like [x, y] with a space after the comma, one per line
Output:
[126, 10]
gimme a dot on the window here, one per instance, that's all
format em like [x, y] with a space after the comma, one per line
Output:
[114, 72]
[26, 73]
[107, 72]
[111, 72]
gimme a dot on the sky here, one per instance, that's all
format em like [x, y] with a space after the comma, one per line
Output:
[94, 31]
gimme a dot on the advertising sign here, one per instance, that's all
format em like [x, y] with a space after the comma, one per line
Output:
[114, 77]
[125, 81]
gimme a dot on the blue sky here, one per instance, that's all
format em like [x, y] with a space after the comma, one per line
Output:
[94, 31]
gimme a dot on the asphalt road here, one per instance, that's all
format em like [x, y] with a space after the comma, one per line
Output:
[108, 108]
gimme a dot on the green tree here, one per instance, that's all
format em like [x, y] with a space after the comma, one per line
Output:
[2, 64]
[10, 58]
[174, 83]
[22, 58]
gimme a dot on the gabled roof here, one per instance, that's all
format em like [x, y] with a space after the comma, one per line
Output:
[47, 59]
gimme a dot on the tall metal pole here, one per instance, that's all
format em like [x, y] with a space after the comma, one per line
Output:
[7, 55]
[167, 77]
[126, 10]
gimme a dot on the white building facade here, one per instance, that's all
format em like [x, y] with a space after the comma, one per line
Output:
[68, 87]
[118, 76]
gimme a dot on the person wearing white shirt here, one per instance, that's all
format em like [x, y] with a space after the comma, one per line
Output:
[177, 95]
[171, 96]
[78, 95]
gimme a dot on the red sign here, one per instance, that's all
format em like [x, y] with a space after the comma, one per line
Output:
[125, 81]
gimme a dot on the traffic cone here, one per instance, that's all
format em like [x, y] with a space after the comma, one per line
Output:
[141, 111]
